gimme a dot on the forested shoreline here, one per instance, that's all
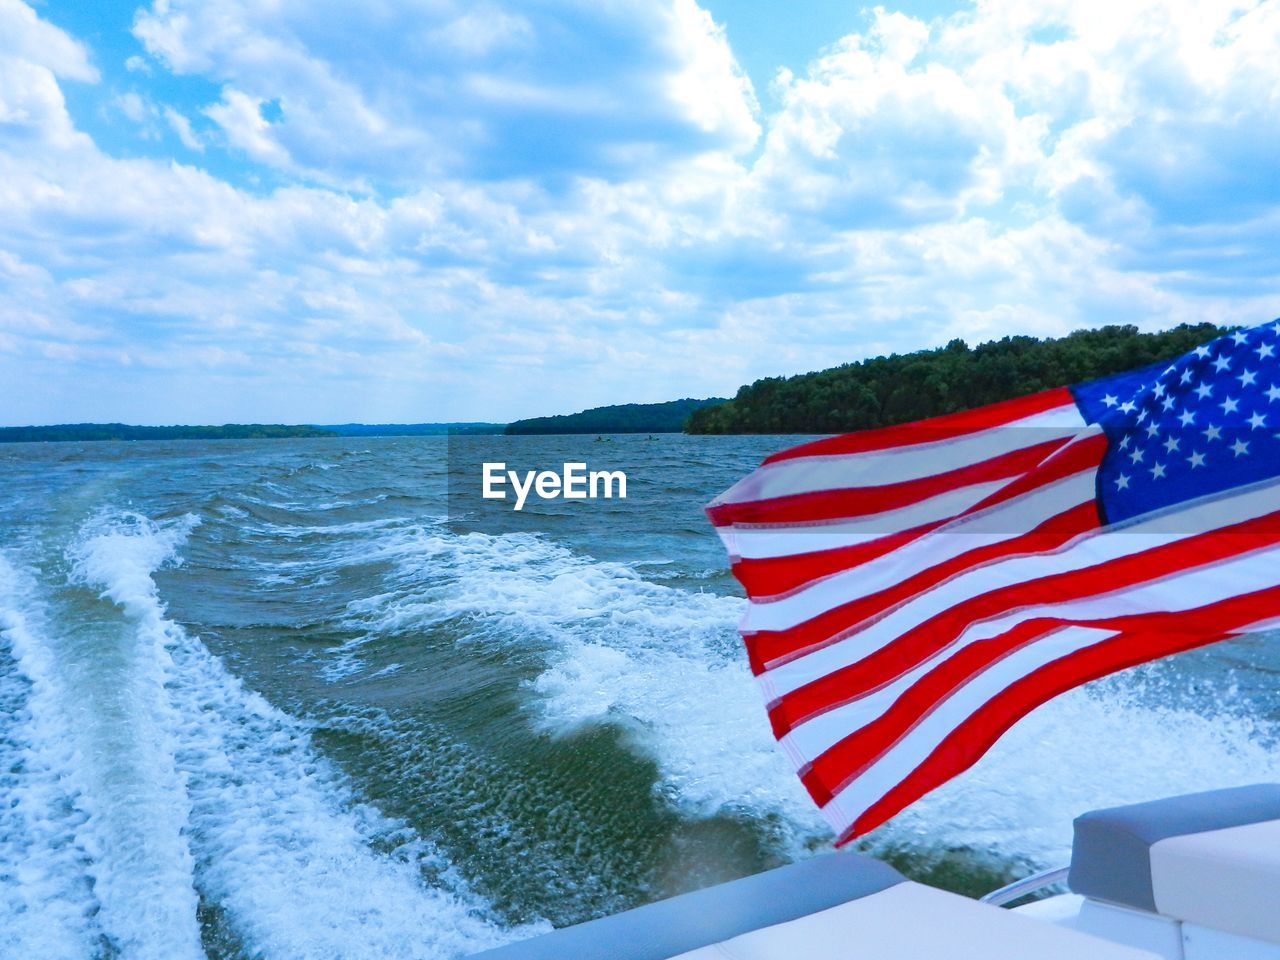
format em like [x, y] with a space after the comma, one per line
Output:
[877, 392]
[668, 417]
[904, 387]
[124, 431]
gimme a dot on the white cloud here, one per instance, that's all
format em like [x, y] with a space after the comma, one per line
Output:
[33, 55]
[714, 92]
[134, 107]
[391, 94]
[1139, 123]
[181, 126]
[25, 37]
[240, 117]
[873, 137]
[481, 31]
[591, 195]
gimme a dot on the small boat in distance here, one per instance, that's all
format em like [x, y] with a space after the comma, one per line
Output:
[1194, 877]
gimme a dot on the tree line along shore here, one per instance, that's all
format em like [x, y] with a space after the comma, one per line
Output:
[235, 431]
[900, 388]
[877, 392]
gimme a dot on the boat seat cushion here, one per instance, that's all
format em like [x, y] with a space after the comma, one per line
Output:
[1111, 858]
[1225, 879]
[915, 922]
[666, 928]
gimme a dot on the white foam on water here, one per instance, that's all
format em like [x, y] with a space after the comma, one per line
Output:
[293, 531]
[114, 675]
[227, 795]
[667, 663]
[1108, 744]
[46, 897]
[663, 662]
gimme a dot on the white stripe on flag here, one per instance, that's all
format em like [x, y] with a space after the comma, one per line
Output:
[909, 752]
[995, 525]
[900, 464]
[1088, 551]
[1196, 588]
[782, 541]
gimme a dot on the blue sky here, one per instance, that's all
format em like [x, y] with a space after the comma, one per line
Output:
[305, 211]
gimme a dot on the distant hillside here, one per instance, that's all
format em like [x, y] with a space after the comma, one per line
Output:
[411, 429]
[905, 387]
[235, 431]
[666, 417]
[124, 431]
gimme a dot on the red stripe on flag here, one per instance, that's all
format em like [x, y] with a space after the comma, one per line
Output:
[775, 576]
[767, 649]
[965, 745]
[946, 427]
[831, 772]
[822, 505]
[917, 644]
[1081, 454]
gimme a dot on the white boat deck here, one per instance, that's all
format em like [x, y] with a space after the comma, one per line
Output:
[1186, 878]
[913, 922]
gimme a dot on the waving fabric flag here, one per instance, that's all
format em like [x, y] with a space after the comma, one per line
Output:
[915, 590]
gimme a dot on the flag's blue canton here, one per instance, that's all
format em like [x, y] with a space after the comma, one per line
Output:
[1206, 423]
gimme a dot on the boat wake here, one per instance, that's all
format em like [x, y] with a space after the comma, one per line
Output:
[46, 891]
[166, 811]
[152, 805]
[614, 648]
[665, 663]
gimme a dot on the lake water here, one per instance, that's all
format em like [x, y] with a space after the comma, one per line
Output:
[289, 699]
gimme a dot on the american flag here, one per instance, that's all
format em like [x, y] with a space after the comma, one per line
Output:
[915, 590]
